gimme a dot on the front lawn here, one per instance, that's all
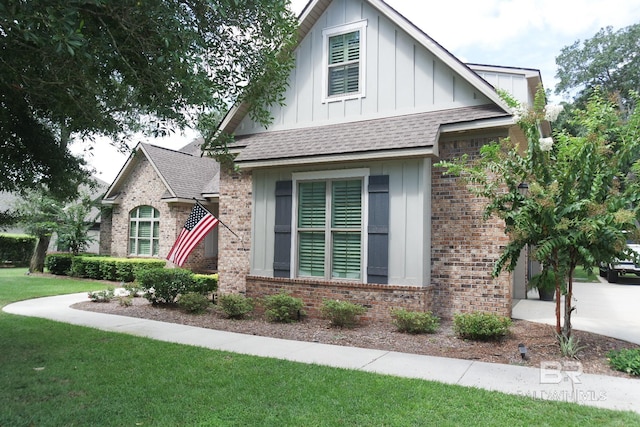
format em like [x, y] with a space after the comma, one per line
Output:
[54, 374]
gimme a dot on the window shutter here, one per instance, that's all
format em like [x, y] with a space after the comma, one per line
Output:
[378, 230]
[282, 229]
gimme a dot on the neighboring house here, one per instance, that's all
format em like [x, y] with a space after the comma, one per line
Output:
[339, 197]
[151, 199]
[8, 200]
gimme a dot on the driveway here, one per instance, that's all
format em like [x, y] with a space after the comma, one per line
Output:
[603, 308]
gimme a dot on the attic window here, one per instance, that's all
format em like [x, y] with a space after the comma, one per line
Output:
[344, 72]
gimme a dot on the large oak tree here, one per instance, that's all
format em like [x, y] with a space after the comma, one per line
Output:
[86, 68]
[608, 60]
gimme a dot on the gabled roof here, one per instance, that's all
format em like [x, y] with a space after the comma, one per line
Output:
[398, 136]
[314, 10]
[186, 176]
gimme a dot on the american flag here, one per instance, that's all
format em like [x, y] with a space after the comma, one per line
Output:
[199, 223]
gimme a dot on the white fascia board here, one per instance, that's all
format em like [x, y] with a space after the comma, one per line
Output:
[340, 158]
[503, 122]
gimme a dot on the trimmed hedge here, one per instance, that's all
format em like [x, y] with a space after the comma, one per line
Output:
[16, 249]
[100, 267]
[58, 264]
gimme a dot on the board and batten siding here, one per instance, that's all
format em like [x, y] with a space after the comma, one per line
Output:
[402, 76]
[409, 218]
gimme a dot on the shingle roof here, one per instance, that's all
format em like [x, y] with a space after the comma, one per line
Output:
[392, 133]
[187, 176]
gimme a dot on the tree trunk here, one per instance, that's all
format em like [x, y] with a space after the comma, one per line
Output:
[566, 329]
[37, 259]
[558, 293]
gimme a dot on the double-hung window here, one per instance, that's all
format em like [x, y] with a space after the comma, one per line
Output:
[329, 230]
[144, 231]
[344, 61]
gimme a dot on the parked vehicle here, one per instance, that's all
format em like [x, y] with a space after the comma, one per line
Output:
[612, 271]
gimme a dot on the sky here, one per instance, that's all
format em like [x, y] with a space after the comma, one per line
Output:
[518, 33]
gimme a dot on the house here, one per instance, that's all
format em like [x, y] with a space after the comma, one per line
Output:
[151, 199]
[339, 197]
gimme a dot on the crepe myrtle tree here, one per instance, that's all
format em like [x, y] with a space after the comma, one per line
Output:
[582, 202]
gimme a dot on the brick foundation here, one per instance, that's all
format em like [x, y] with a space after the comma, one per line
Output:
[378, 299]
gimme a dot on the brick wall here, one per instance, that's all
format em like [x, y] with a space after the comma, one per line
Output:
[464, 246]
[235, 213]
[105, 232]
[144, 187]
[378, 299]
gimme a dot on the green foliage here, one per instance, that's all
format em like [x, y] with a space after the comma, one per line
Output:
[569, 347]
[194, 302]
[481, 326]
[74, 225]
[101, 268]
[205, 283]
[59, 263]
[105, 295]
[133, 288]
[235, 306]
[162, 286]
[415, 322]
[583, 198]
[608, 59]
[283, 308]
[60, 59]
[16, 249]
[341, 314]
[625, 360]
[125, 301]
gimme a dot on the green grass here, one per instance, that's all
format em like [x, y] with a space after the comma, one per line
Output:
[54, 374]
[581, 275]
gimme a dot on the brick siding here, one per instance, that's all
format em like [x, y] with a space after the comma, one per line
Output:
[465, 247]
[144, 187]
[235, 213]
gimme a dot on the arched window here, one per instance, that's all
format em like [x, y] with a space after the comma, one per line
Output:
[144, 231]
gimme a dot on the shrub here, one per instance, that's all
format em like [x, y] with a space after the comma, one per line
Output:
[125, 300]
[481, 326]
[16, 248]
[193, 302]
[283, 308]
[134, 289]
[341, 313]
[58, 264]
[162, 286]
[625, 360]
[205, 283]
[415, 322]
[105, 295]
[569, 347]
[235, 306]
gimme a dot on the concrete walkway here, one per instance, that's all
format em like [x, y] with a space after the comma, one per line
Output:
[603, 308]
[555, 382]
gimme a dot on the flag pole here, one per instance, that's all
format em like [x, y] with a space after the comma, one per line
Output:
[219, 221]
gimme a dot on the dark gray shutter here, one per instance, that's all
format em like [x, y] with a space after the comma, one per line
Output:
[378, 230]
[282, 229]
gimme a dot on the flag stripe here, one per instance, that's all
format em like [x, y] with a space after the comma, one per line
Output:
[199, 223]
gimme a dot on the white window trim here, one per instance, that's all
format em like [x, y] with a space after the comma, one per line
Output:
[137, 238]
[334, 31]
[362, 173]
